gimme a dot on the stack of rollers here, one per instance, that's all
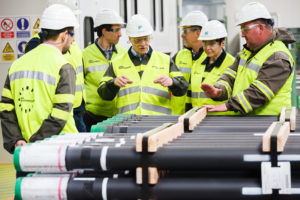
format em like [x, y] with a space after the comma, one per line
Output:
[192, 156]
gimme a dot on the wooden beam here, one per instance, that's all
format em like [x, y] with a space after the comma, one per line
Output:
[282, 114]
[293, 119]
[282, 136]
[139, 175]
[187, 114]
[139, 137]
[290, 114]
[153, 175]
[163, 137]
[197, 118]
[195, 115]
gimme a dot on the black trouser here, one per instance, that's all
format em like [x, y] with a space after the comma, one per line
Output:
[91, 119]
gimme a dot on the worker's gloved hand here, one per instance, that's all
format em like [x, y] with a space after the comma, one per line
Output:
[122, 81]
[216, 108]
[164, 80]
[20, 143]
[210, 90]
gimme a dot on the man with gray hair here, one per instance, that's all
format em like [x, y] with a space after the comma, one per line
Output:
[259, 81]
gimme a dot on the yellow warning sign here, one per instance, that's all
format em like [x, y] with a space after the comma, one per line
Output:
[35, 32]
[8, 57]
[37, 24]
[8, 48]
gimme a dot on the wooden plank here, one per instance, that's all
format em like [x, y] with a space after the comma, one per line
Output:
[282, 114]
[188, 113]
[163, 137]
[139, 175]
[197, 118]
[195, 115]
[281, 137]
[153, 175]
[292, 116]
[139, 142]
[139, 138]
[293, 119]
[266, 144]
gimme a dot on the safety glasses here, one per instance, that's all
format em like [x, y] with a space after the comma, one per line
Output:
[209, 42]
[71, 33]
[114, 30]
[186, 30]
[139, 40]
[246, 29]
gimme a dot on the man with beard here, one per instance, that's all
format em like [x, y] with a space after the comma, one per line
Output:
[38, 94]
[96, 58]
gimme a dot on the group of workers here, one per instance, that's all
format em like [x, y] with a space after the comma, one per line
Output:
[55, 88]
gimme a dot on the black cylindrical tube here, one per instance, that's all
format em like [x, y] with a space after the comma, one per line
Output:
[168, 158]
[83, 157]
[175, 188]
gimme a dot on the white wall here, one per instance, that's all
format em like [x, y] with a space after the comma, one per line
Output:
[286, 10]
[13, 8]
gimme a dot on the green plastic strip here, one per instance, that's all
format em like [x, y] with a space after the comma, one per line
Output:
[17, 159]
[18, 195]
[193, 111]
[160, 128]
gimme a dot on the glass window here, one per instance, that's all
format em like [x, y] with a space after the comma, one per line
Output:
[123, 10]
[88, 31]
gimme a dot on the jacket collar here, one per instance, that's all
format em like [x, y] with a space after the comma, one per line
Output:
[140, 59]
[218, 62]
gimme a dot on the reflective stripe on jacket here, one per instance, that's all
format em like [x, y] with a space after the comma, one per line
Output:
[74, 56]
[95, 65]
[33, 83]
[198, 74]
[143, 96]
[247, 73]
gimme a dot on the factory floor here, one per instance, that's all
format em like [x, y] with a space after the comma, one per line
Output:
[7, 181]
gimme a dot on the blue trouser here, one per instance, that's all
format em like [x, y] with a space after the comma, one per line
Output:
[77, 114]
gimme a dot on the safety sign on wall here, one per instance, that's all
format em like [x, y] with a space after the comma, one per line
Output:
[20, 47]
[23, 29]
[8, 49]
[35, 21]
[15, 32]
[7, 28]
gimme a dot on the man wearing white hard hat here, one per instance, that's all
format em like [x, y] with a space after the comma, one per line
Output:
[259, 81]
[191, 26]
[142, 79]
[96, 58]
[38, 94]
[74, 57]
[209, 69]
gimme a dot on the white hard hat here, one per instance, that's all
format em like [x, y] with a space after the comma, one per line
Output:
[252, 11]
[194, 18]
[73, 4]
[213, 30]
[107, 16]
[57, 17]
[138, 26]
